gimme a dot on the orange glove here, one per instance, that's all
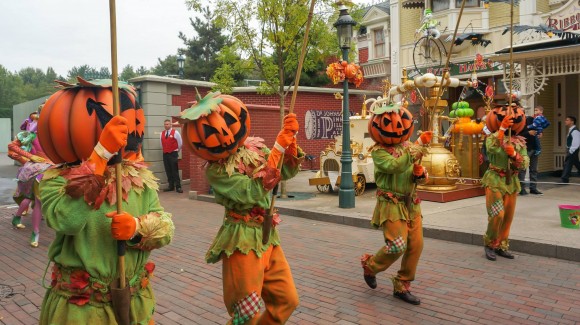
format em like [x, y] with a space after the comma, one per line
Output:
[425, 138]
[123, 225]
[112, 139]
[418, 170]
[509, 150]
[114, 135]
[284, 139]
[507, 122]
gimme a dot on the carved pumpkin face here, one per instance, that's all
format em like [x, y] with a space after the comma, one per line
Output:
[220, 124]
[73, 118]
[496, 116]
[391, 127]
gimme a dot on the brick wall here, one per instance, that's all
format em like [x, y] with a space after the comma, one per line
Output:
[265, 123]
[363, 55]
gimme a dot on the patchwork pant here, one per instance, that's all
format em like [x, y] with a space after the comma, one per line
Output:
[247, 278]
[402, 238]
[500, 214]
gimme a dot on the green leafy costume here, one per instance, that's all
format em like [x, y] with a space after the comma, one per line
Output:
[84, 251]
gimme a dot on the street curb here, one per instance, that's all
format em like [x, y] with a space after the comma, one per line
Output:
[517, 245]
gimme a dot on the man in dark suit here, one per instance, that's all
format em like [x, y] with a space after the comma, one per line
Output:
[531, 145]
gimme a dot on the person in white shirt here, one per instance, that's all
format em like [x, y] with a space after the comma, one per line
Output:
[171, 144]
[572, 148]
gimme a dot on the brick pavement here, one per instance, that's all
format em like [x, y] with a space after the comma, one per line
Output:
[456, 284]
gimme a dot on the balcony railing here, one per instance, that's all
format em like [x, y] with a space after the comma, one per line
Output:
[377, 68]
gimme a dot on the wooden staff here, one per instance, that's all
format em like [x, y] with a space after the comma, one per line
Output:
[121, 306]
[267, 225]
[509, 110]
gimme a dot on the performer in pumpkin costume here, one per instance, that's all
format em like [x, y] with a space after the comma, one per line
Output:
[501, 183]
[79, 203]
[242, 172]
[29, 176]
[397, 211]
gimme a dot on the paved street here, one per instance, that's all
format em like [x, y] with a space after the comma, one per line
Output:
[456, 283]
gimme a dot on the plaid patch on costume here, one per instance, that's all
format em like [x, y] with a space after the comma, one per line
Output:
[246, 308]
[395, 246]
[495, 208]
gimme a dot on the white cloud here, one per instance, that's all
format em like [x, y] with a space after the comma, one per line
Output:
[66, 33]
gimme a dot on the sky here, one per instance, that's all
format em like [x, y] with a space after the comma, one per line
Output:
[66, 33]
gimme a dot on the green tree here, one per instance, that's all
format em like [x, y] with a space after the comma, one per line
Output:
[36, 83]
[269, 34]
[127, 73]
[202, 50]
[166, 67]
[87, 72]
[11, 91]
[142, 71]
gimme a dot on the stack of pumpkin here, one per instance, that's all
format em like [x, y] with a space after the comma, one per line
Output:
[464, 125]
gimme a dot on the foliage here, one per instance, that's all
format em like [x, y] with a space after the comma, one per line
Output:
[87, 72]
[203, 49]
[268, 34]
[27, 84]
[166, 67]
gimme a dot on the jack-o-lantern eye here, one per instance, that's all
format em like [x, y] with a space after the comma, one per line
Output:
[392, 126]
[386, 121]
[73, 118]
[222, 125]
[209, 130]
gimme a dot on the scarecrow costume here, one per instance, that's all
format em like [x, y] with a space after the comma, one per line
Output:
[254, 272]
[28, 176]
[501, 184]
[79, 203]
[397, 212]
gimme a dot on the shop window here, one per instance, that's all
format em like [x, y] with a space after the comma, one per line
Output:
[379, 43]
[468, 3]
[439, 5]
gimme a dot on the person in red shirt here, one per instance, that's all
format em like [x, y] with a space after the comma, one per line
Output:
[171, 144]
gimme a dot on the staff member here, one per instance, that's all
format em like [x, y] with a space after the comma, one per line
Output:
[572, 148]
[171, 144]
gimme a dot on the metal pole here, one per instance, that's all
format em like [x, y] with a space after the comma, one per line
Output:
[346, 191]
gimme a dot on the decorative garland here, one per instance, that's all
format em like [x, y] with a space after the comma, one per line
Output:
[339, 71]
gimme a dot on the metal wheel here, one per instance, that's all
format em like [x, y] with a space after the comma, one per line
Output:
[323, 188]
[428, 53]
[359, 185]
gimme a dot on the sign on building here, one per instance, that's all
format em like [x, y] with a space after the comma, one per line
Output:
[323, 124]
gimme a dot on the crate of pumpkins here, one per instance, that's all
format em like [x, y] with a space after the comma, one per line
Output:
[464, 124]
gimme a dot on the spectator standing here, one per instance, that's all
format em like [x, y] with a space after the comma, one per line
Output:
[572, 147]
[532, 147]
[538, 124]
[171, 144]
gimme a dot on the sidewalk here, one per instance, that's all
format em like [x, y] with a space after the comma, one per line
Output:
[536, 228]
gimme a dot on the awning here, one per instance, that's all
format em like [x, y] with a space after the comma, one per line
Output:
[539, 50]
[413, 4]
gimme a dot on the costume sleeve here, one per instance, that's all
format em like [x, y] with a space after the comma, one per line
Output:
[293, 157]
[63, 213]
[522, 161]
[492, 145]
[156, 227]
[386, 163]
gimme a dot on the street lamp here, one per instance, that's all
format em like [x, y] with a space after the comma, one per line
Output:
[180, 64]
[344, 26]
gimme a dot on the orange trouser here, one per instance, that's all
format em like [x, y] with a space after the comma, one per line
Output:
[401, 238]
[269, 276]
[500, 214]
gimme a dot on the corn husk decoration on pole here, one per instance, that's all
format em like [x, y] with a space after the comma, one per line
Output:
[267, 225]
[120, 292]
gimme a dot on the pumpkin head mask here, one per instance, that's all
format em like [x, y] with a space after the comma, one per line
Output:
[496, 116]
[216, 126]
[73, 118]
[391, 124]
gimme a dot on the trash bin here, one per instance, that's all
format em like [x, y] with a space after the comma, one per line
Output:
[570, 216]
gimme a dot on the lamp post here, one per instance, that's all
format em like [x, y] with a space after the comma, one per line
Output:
[180, 64]
[344, 25]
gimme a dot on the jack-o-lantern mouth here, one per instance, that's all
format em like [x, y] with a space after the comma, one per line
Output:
[391, 134]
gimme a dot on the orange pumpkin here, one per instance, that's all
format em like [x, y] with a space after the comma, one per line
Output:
[216, 126]
[73, 118]
[391, 124]
[496, 116]
[350, 71]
